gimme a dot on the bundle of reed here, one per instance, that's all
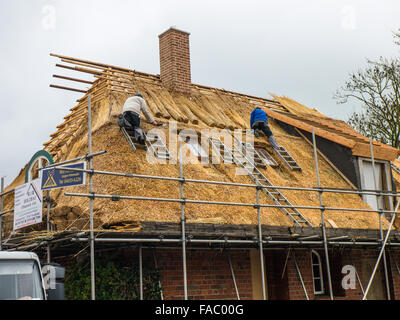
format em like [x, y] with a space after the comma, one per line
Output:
[205, 105]
[183, 104]
[153, 97]
[201, 114]
[171, 106]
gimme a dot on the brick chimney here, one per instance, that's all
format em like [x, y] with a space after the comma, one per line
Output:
[175, 60]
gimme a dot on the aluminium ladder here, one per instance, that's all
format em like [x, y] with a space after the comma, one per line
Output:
[152, 142]
[287, 159]
[274, 194]
[268, 159]
[129, 137]
[156, 145]
[261, 156]
[395, 168]
[251, 153]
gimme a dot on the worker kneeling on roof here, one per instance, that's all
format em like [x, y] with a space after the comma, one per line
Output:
[259, 121]
[131, 111]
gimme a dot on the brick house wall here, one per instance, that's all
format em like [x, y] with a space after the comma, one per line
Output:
[356, 257]
[393, 259]
[209, 275]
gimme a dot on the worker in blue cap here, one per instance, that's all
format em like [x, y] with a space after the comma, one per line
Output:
[131, 112]
[259, 121]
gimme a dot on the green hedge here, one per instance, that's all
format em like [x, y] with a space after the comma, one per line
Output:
[116, 279]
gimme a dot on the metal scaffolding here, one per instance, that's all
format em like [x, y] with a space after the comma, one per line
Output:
[259, 241]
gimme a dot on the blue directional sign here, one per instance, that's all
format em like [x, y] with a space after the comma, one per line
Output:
[58, 178]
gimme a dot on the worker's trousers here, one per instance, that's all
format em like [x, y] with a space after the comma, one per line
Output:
[134, 120]
[263, 126]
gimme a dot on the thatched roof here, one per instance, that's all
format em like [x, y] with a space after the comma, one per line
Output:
[205, 108]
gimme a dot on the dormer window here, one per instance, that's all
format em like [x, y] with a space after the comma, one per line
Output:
[383, 182]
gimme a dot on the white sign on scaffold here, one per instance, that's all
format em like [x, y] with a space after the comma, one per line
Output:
[28, 202]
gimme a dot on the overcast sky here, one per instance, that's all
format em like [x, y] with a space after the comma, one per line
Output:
[301, 49]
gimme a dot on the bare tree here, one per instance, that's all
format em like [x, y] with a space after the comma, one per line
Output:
[396, 36]
[378, 89]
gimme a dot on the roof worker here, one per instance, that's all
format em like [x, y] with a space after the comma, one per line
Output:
[259, 121]
[131, 111]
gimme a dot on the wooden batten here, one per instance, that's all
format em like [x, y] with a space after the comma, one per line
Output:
[121, 89]
[107, 66]
[94, 91]
[306, 127]
[83, 104]
[83, 64]
[357, 145]
[381, 153]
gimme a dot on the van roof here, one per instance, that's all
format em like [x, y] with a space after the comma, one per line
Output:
[18, 255]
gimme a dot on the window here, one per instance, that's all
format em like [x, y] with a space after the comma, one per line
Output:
[317, 273]
[40, 162]
[383, 182]
[20, 278]
[267, 157]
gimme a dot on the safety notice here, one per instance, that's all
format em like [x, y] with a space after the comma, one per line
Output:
[58, 178]
[28, 202]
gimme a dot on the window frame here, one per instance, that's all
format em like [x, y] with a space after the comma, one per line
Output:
[42, 162]
[321, 276]
[387, 177]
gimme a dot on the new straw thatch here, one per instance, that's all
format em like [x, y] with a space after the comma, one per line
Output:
[207, 108]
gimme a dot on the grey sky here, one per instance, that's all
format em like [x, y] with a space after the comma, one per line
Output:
[301, 49]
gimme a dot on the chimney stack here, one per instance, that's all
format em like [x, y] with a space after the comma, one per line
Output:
[175, 60]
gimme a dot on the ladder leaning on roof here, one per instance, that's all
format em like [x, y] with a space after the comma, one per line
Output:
[277, 197]
[287, 159]
[129, 137]
[251, 153]
[156, 145]
[395, 168]
[152, 142]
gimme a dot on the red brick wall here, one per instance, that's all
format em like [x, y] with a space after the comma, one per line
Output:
[208, 274]
[175, 60]
[393, 258]
[303, 258]
[296, 291]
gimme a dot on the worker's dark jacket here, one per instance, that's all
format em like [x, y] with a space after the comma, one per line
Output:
[258, 115]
